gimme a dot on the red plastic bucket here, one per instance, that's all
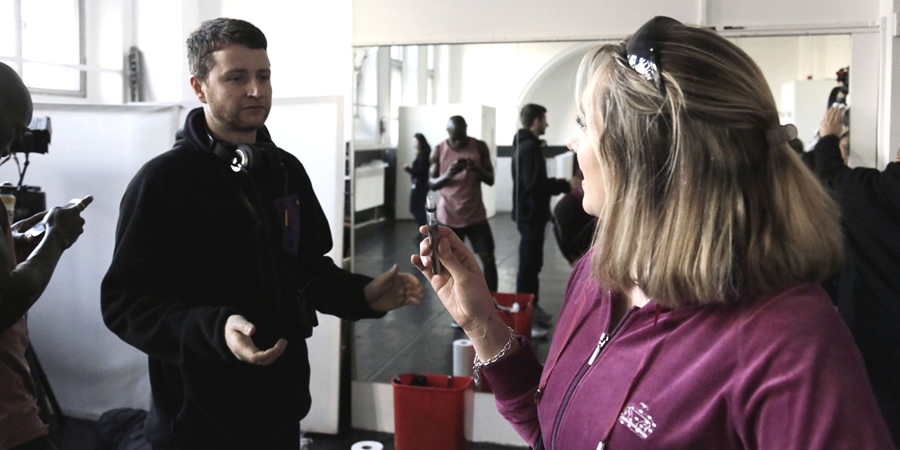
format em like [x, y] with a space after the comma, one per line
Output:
[436, 416]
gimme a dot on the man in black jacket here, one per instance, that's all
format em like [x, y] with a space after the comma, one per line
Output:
[868, 286]
[531, 205]
[219, 264]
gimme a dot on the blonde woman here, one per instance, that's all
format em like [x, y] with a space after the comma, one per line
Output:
[695, 321]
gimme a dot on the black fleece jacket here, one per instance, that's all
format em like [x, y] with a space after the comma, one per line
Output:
[868, 290]
[531, 187]
[197, 243]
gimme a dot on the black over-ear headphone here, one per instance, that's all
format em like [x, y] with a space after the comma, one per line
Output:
[244, 158]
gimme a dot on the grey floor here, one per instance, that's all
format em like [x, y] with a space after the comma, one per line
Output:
[419, 339]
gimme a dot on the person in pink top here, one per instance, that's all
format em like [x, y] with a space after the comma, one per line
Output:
[459, 165]
[27, 261]
[696, 319]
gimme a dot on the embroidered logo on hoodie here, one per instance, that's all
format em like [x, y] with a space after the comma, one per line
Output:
[637, 418]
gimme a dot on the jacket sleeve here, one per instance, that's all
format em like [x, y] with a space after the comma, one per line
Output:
[556, 186]
[532, 180]
[858, 189]
[514, 379]
[331, 289]
[529, 175]
[828, 160]
[338, 292]
[420, 166]
[137, 299]
[834, 173]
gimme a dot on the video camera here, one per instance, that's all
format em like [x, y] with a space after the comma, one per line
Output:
[30, 200]
[36, 139]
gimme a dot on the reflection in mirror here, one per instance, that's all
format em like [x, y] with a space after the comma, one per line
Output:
[396, 93]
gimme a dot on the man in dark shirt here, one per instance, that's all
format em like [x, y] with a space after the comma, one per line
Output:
[531, 205]
[219, 265]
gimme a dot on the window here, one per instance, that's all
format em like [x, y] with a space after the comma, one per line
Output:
[396, 91]
[429, 72]
[365, 95]
[42, 40]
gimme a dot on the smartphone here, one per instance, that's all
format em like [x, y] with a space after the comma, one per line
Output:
[431, 215]
[36, 230]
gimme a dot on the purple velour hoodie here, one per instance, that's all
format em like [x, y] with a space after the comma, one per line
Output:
[776, 372]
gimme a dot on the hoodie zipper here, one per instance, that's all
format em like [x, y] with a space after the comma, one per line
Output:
[601, 344]
[264, 237]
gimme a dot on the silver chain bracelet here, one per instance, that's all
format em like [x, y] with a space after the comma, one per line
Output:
[478, 364]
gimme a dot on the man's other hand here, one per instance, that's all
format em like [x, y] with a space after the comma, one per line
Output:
[238, 332]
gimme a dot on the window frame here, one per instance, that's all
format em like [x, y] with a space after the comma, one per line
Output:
[17, 60]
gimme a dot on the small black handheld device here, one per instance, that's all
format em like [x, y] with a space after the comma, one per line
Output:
[431, 213]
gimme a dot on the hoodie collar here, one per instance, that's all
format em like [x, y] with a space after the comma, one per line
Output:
[197, 132]
[524, 134]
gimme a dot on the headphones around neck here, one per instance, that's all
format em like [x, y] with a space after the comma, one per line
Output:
[243, 158]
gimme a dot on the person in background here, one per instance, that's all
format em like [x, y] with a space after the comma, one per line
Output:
[572, 226]
[696, 320]
[838, 94]
[27, 261]
[867, 293]
[418, 172]
[532, 190]
[220, 263]
[459, 165]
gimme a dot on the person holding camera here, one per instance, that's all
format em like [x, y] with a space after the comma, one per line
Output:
[867, 290]
[28, 258]
[459, 165]
[220, 263]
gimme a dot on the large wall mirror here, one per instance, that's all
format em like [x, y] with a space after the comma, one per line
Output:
[394, 83]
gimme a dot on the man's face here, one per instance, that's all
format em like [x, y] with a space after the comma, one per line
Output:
[540, 125]
[456, 130]
[15, 115]
[237, 91]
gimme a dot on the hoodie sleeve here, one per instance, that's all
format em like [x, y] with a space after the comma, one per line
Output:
[137, 296]
[514, 381]
[860, 190]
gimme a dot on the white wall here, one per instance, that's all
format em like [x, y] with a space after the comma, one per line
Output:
[94, 150]
[309, 43]
[387, 22]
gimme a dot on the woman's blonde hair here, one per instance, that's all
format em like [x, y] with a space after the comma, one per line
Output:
[699, 206]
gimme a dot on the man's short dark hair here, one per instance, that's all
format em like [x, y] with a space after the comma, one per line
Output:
[530, 113]
[458, 120]
[217, 34]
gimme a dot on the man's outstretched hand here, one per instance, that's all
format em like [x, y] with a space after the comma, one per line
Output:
[392, 290]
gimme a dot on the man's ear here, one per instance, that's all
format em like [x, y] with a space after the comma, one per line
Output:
[197, 85]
